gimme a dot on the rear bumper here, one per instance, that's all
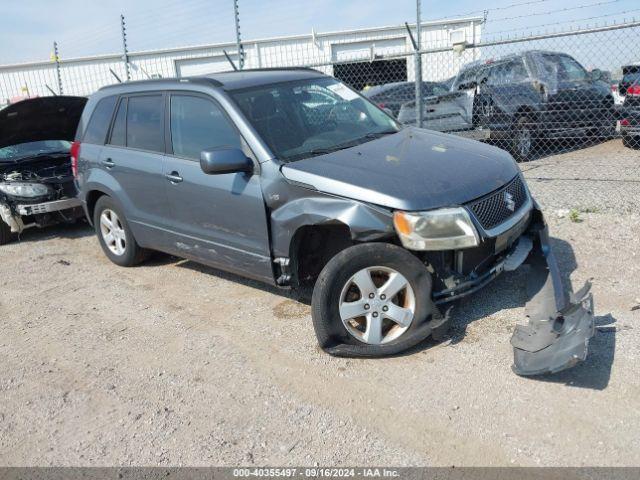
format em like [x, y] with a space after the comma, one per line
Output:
[630, 130]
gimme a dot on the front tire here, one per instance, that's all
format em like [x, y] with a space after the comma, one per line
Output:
[115, 236]
[6, 235]
[372, 300]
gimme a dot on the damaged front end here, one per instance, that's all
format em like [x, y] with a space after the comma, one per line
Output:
[36, 179]
[37, 192]
[560, 323]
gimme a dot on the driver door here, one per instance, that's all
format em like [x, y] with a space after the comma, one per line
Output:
[220, 219]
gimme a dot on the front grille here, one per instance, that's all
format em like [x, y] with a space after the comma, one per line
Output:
[492, 210]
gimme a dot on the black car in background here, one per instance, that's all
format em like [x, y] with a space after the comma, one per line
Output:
[391, 96]
[535, 96]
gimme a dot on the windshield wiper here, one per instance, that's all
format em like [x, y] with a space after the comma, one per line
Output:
[342, 146]
[380, 134]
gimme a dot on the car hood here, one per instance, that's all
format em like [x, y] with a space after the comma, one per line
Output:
[39, 119]
[413, 169]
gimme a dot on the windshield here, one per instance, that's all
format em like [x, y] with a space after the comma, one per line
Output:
[32, 149]
[311, 117]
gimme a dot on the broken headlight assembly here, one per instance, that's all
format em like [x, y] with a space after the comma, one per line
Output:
[442, 229]
[25, 190]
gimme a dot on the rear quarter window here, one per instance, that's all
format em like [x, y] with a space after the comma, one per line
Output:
[96, 131]
[145, 123]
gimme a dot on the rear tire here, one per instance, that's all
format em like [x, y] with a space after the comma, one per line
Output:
[387, 324]
[523, 140]
[115, 236]
[6, 235]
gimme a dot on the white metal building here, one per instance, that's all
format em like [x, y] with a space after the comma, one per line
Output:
[348, 55]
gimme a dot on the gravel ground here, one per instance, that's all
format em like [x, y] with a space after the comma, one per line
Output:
[172, 363]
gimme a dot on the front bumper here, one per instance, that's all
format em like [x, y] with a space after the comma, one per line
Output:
[560, 323]
[38, 213]
[48, 207]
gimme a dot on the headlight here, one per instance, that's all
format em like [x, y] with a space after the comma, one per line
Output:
[444, 229]
[24, 190]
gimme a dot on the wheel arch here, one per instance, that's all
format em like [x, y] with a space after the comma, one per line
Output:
[91, 198]
[323, 226]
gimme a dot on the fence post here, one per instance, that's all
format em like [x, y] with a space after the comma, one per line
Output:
[418, 66]
[125, 55]
[56, 58]
[239, 46]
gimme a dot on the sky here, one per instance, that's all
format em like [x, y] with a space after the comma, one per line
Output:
[89, 27]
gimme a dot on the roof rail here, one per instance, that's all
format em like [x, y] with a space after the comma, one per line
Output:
[202, 79]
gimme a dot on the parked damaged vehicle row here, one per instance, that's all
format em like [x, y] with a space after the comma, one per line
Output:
[521, 101]
[36, 179]
[291, 178]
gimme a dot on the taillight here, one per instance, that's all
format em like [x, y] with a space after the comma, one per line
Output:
[634, 90]
[624, 122]
[75, 154]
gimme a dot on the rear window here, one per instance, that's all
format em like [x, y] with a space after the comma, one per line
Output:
[98, 126]
[145, 123]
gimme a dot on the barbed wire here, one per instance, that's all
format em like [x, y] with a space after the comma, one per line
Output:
[550, 12]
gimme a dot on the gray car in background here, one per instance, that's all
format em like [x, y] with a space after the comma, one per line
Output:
[291, 178]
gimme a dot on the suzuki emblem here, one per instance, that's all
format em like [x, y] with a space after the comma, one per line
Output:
[509, 201]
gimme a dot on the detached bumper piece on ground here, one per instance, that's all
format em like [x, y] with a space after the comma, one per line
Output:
[560, 322]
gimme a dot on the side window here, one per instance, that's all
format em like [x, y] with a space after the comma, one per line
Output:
[198, 124]
[516, 72]
[98, 126]
[119, 130]
[145, 123]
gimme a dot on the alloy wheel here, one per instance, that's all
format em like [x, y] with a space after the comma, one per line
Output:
[113, 234]
[377, 305]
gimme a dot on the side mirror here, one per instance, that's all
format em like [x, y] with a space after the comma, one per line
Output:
[596, 74]
[225, 160]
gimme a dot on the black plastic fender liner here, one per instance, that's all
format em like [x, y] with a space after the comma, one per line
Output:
[560, 322]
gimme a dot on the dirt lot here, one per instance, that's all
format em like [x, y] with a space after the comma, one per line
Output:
[172, 363]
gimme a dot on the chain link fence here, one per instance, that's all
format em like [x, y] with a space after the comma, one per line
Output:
[532, 95]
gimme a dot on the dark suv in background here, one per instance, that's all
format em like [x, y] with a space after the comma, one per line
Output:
[538, 95]
[292, 178]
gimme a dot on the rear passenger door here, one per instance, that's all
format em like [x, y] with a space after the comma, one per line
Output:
[508, 86]
[134, 157]
[217, 219]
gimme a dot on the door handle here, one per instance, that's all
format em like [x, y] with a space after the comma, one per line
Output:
[108, 163]
[173, 177]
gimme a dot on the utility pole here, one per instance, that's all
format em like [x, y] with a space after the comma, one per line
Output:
[56, 58]
[125, 55]
[239, 46]
[418, 66]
